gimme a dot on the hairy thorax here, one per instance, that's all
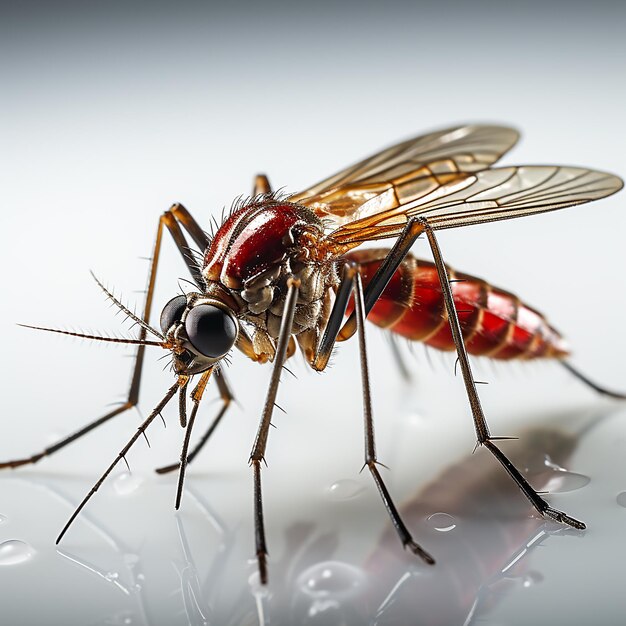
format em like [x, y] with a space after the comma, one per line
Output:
[258, 247]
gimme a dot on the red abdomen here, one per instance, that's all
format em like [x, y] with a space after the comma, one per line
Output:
[494, 322]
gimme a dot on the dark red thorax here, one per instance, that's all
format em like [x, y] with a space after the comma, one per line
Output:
[251, 240]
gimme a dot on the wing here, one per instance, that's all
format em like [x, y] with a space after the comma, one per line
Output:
[474, 198]
[445, 154]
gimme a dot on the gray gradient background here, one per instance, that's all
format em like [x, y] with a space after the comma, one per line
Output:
[111, 112]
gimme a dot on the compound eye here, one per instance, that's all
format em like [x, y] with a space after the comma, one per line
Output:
[172, 312]
[211, 331]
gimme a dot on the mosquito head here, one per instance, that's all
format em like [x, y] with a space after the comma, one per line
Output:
[201, 331]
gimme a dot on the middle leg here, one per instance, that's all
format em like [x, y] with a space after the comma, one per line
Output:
[371, 460]
[351, 283]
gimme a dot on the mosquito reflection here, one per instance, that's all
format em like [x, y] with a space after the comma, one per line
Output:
[490, 545]
[485, 552]
[197, 610]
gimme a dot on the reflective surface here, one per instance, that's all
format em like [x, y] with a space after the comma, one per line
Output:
[111, 113]
[333, 557]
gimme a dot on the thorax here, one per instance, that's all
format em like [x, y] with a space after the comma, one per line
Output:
[258, 247]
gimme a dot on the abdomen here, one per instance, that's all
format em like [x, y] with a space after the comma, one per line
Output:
[494, 322]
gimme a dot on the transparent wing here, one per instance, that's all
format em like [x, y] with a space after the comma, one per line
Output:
[443, 154]
[474, 198]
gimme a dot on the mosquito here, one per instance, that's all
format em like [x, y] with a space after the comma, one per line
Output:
[284, 272]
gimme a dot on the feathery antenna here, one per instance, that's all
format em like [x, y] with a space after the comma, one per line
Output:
[126, 310]
[135, 342]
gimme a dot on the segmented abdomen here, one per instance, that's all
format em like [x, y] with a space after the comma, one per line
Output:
[494, 322]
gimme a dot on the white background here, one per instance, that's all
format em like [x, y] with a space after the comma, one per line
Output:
[110, 115]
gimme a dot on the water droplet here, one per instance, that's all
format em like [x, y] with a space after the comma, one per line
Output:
[257, 589]
[327, 611]
[442, 522]
[563, 481]
[345, 490]
[56, 436]
[331, 579]
[548, 462]
[621, 499]
[532, 578]
[119, 619]
[111, 576]
[415, 418]
[3, 518]
[125, 483]
[15, 551]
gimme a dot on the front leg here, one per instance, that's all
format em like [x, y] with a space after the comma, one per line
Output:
[258, 450]
[227, 398]
[169, 219]
[261, 185]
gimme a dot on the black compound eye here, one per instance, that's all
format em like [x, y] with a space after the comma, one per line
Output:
[172, 312]
[211, 331]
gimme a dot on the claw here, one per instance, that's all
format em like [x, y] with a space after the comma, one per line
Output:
[419, 551]
[262, 560]
[167, 468]
[562, 518]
